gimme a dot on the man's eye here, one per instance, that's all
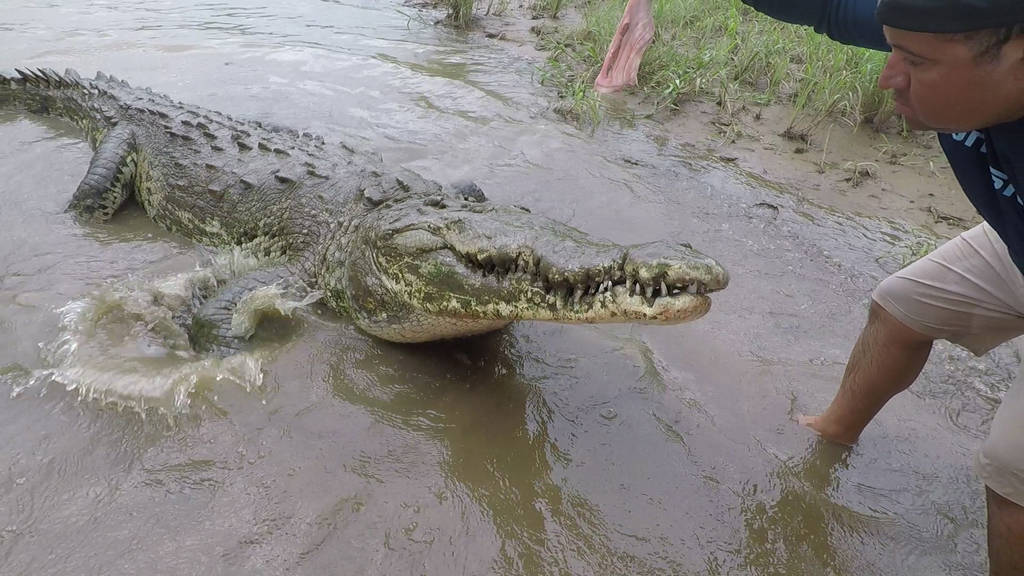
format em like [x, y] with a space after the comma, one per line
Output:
[912, 62]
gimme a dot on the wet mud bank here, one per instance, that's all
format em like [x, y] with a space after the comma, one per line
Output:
[867, 169]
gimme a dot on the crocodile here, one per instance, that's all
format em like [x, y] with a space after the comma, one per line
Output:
[406, 258]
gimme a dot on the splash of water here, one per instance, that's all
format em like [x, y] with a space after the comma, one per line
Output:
[126, 344]
[266, 301]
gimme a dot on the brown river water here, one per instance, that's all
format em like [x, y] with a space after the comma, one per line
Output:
[541, 449]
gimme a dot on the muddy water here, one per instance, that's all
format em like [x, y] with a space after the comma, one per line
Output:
[541, 449]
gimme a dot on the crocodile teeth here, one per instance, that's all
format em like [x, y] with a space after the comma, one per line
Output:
[650, 291]
[664, 289]
[577, 294]
[692, 288]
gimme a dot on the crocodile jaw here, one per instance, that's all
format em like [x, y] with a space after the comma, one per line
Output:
[418, 285]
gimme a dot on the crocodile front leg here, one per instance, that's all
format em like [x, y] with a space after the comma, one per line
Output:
[224, 322]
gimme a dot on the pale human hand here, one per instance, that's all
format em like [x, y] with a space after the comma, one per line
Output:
[822, 427]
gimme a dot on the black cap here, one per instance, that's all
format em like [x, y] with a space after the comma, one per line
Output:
[949, 16]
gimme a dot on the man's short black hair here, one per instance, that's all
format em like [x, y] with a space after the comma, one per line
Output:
[988, 43]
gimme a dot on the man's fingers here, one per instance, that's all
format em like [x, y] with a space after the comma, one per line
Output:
[805, 420]
[814, 423]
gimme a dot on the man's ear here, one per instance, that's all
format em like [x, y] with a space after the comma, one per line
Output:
[1014, 50]
[1013, 56]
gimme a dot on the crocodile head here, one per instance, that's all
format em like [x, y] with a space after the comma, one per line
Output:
[445, 266]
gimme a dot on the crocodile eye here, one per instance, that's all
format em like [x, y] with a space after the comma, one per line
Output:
[418, 241]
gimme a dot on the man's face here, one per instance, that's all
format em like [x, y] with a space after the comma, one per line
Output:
[940, 83]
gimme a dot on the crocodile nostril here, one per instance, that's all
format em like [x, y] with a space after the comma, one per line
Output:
[435, 201]
[468, 190]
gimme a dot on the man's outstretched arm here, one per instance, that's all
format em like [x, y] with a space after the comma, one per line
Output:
[848, 21]
[885, 361]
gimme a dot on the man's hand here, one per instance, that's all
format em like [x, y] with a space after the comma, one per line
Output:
[886, 359]
[830, 433]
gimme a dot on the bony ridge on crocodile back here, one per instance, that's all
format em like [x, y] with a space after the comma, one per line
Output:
[407, 259]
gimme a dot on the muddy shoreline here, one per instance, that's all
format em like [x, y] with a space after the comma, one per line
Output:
[860, 170]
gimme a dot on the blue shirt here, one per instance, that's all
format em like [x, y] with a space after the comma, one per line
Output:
[986, 162]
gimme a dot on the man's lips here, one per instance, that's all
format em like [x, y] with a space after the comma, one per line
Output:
[901, 107]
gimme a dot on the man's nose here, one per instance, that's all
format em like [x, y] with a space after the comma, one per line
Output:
[894, 76]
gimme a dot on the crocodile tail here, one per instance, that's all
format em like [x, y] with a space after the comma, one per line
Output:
[45, 91]
[45, 78]
[22, 88]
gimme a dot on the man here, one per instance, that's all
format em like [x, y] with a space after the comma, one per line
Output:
[956, 67]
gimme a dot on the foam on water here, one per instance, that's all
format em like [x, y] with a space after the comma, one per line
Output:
[127, 344]
[261, 302]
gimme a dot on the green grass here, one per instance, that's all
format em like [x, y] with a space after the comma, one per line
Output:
[916, 249]
[725, 51]
[548, 8]
[460, 12]
[908, 251]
